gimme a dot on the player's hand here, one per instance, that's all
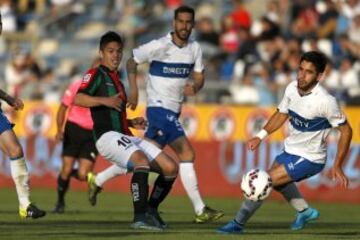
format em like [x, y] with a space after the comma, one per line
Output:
[253, 143]
[59, 136]
[189, 90]
[17, 104]
[337, 173]
[139, 123]
[114, 102]
[132, 101]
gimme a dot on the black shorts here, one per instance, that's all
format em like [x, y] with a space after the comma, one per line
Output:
[79, 142]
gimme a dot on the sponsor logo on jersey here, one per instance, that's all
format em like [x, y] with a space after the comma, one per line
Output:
[176, 70]
[170, 70]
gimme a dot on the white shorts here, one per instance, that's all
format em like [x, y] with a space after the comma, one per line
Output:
[118, 148]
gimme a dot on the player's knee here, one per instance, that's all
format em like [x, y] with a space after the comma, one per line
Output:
[187, 155]
[170, 168]
[138, 158]
[273, 178]
[278, 179]
[15, 151]
[66, 171]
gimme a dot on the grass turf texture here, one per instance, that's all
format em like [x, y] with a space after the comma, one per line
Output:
[111, 218]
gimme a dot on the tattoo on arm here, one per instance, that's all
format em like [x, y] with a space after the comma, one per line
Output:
[9, 99]
[131, 66]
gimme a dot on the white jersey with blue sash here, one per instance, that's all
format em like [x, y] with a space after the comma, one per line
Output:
[170, 68]
[310, 119]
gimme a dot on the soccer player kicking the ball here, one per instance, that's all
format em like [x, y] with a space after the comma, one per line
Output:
[102, 91]
[312, 112]
[10, 145]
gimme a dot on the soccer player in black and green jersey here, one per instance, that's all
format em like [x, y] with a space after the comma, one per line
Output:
[102, 91]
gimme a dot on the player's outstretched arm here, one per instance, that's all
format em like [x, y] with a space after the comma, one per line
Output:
[342, 150]
[131, 68]
[274, 123]
[85, 100]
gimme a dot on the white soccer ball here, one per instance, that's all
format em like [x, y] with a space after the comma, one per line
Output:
[256, 185]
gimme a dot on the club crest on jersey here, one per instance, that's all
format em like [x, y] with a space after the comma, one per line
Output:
[86, 78]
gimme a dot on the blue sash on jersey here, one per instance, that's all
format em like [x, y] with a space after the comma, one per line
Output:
[308, 125]
[170, 70]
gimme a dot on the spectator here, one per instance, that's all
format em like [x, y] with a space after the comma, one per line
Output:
[240, 16]
[206, 32]
[245, 93]
[8, 16]
[229, 41]
[354, 30]
[327, 19]
[350, 82]
[16, 73]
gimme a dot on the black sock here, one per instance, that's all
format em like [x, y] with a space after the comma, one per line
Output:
[62, 188]
[139, 190]
[75, 173]
[161, 189]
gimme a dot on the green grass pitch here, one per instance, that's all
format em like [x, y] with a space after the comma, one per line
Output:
[110, 219]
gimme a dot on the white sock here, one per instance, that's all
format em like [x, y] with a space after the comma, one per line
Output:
[291, 193]
[189, 181]
[20, 176]
[108, 174]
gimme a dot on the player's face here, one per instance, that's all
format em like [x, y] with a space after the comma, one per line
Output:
[307, 76]
[183, 25]
[111, 55]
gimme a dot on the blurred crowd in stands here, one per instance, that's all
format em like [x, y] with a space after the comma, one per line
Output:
[251, 48]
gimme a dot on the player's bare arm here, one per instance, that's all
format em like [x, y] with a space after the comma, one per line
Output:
[85, 100]
[14, 102]
[343, 148]
[60, 120]
[131, 68]
[274, 123]
[138, 123]
[191, 89]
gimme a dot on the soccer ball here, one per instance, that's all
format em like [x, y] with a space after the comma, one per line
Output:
[256, 185]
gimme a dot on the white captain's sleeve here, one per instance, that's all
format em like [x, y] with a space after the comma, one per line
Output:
[283, 107]
[144, 52]
[199, 66]
[333, 112]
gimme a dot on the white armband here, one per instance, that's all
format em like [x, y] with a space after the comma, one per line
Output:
[262, 134]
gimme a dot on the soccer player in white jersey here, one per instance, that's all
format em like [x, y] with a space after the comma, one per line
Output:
[311, 112]
[172, 59]
[9, 145]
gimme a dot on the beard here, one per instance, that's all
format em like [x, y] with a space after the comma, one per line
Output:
[183, 34]
[307, 86]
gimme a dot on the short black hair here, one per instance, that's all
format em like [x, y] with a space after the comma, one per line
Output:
[317, 58]
[184, 9]
[108, 37]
